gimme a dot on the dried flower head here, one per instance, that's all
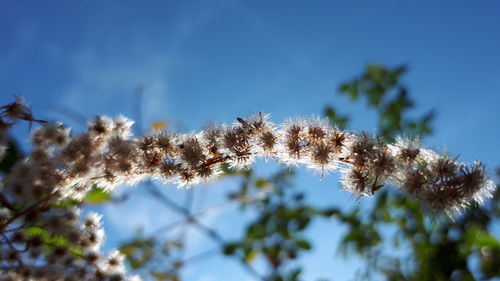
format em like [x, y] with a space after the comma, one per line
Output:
[62, 166]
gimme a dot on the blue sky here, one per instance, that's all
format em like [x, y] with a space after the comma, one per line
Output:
[202, 61]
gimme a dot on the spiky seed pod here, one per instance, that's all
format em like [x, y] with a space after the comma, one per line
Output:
[63, 166]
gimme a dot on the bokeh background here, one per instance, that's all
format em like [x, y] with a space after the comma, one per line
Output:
[188, 63]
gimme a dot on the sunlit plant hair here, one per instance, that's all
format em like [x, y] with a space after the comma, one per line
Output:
[63, 166]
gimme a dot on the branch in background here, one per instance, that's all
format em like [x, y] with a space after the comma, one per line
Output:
[214, 235]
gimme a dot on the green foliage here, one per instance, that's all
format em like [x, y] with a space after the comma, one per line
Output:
[337, 120]
[51, 241]
[276, 235]
[384, 92]
[153, 257]
[97, 196]
[12, 155]
[433, 249]
[139, 251]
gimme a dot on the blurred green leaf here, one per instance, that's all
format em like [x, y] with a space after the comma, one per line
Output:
[97, 196]
[230, 248]
[12, 155]
[336, 119]
[262, 183]
[51, 241]
[250, 255]
[303, 244]
[65, 203]
[351, 89]
[138, 252]
[159, 276]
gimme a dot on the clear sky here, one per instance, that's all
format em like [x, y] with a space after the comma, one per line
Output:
[202, 61]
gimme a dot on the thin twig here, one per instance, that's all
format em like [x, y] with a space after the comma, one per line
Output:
[214, 235]
[5, 202]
